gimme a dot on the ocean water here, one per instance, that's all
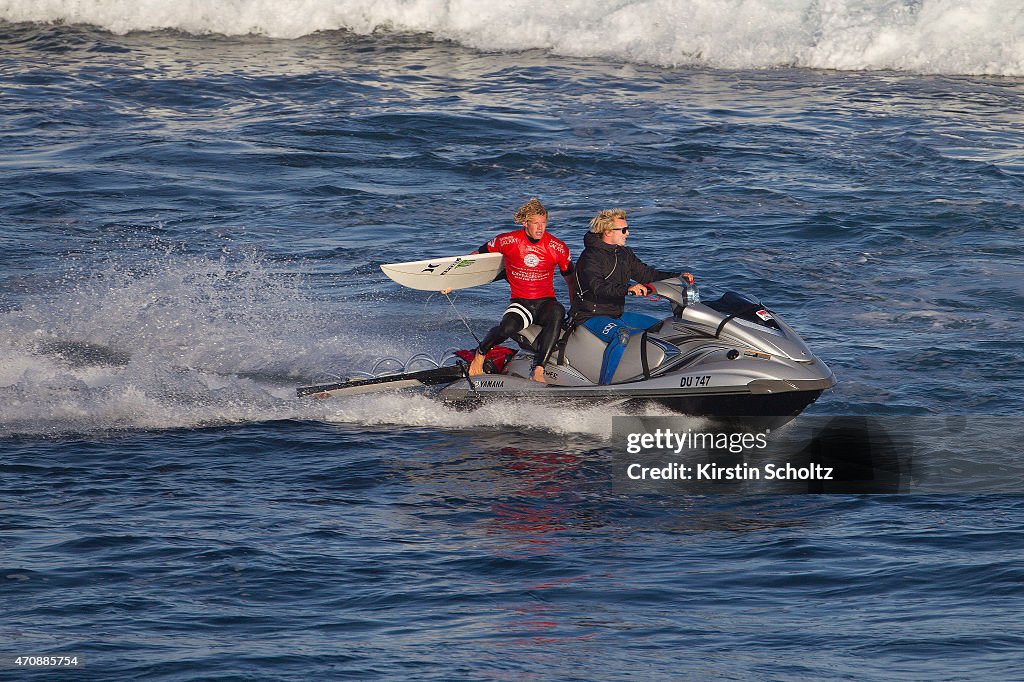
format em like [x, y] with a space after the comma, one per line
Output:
[193, 207]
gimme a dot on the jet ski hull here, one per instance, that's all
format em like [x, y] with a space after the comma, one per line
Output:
[739, 405]
[730, 359]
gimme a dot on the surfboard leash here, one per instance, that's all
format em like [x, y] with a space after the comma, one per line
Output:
[468, 328]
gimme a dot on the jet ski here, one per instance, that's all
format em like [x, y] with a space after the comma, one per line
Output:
[730, 357]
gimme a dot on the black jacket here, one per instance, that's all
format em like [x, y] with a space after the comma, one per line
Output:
[603, 273]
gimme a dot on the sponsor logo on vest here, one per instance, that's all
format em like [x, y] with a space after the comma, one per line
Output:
[531, 260]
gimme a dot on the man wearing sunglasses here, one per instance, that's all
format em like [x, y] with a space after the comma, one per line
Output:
[607, 266]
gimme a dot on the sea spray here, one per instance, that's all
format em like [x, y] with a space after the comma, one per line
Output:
[174, 341]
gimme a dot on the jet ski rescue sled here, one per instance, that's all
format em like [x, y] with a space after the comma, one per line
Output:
[730, 357]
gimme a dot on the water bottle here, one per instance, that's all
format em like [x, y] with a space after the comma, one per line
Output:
[692, 294]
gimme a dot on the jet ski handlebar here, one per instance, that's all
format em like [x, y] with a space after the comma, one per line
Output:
[677, 291]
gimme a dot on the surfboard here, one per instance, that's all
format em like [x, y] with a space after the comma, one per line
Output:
[446, 272]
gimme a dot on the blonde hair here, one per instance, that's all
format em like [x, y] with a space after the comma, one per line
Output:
[605, 220]
[529, 209]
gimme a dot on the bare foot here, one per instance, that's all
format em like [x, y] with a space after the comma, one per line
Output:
[538, 374]
[476, 368]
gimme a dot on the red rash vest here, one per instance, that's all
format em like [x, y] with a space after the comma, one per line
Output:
[529, 266]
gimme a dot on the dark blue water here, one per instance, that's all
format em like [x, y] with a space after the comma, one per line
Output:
[191, 226]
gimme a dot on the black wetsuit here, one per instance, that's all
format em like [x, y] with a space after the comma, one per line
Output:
[520, 314]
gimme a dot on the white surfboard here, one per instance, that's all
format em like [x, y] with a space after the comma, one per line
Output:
[447, 272]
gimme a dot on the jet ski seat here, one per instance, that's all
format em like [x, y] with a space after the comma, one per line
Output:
[527, 339]
[603, 348]
[600, 348]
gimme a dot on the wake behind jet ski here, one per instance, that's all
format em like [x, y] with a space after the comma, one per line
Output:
[730, 357]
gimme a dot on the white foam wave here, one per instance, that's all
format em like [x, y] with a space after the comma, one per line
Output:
[420, 411]
[926, 36]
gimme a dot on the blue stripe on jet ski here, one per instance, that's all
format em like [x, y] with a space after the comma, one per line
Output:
[612, 355]
[616, 332]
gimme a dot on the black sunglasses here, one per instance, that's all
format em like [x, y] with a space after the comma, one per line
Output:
[619, 229]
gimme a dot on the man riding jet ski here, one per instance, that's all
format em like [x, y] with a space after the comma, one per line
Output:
[607, 266]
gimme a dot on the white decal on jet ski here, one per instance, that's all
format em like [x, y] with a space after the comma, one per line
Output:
[764, 315]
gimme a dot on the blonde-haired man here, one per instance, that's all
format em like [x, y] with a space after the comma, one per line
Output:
[607, 266]
[531, 256]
